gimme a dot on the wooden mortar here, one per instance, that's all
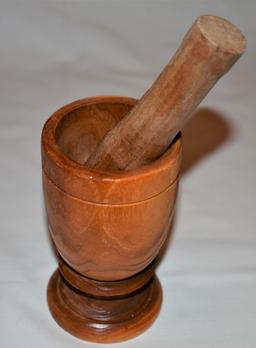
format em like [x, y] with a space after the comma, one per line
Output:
[108, 227]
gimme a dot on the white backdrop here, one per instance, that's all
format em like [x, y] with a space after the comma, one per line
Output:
[53, 52]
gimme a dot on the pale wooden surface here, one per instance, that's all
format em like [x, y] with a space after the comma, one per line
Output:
[209, 49]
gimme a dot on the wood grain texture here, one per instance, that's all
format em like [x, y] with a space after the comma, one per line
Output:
[209, 49]
[108, 289]
[103, 320]
[106, 226]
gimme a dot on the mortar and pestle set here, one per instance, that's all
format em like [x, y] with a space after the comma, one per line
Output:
[110, 178]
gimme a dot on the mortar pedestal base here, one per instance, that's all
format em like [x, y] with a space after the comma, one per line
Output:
[101, 311]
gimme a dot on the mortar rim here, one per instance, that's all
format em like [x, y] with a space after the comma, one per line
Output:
[53, 150]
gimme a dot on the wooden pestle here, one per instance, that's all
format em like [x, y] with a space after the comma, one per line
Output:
[208, 51]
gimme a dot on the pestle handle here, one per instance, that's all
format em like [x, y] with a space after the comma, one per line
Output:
[208, 51]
